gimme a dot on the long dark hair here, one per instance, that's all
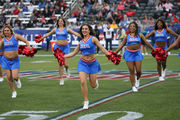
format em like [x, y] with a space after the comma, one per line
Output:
[90, 29]
[63, 21]
[164, 24]
[136, 25]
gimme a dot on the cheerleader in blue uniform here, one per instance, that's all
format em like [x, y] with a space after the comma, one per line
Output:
[1, 54]
[88, 64]
[132, 54]
[160, 35]
[61, 35]
[10, 59]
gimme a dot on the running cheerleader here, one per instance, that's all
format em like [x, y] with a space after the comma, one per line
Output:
[62, 43]
[160, 35]
[10, 59]
[132, 54]
[88, 64]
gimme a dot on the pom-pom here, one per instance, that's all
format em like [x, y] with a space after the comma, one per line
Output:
[37, 39]
[115, 58]
[60, 56]
[27, 51]
[159, 54]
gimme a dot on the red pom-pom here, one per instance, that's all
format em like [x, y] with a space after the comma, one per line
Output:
[26, 51]
[115, 58]
[159, 54]
[59, 55]
[37, 39]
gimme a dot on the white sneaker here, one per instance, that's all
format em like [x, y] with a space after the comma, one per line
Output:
[169, 53]
[142, 53]
[161, 78]
[1, 79]
[18, 83]
[137, 82]
[134, 89]
[146, 53]
[86, 105]
[163, 73]
[68, 74]
[61, 82]
[97, 85]
[14, 94]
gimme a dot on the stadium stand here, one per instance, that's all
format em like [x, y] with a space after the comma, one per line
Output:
[22, 14]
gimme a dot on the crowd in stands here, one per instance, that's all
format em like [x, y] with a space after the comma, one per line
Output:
[21, 14]
[37, 12]
[122, 12]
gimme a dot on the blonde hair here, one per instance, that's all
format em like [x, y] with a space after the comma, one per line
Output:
[7, 26]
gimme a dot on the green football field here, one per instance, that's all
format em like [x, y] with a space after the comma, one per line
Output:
[41, 96]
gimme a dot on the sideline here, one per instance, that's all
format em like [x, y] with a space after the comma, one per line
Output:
[101, 101]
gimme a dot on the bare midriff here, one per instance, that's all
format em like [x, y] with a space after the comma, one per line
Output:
[11, 54]
[161, 43]
[62, 42]
[133, 47]
[88, 57]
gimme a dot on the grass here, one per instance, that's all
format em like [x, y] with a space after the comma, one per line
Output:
[157, 102]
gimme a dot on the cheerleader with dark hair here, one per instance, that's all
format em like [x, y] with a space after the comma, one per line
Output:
[88, 64]
[132, 54]
[160, 35]
[61, 32]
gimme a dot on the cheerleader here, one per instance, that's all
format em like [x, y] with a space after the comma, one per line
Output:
[88, 64]
[132, 54]
[160, 35]
[62, 43]
[10, 61]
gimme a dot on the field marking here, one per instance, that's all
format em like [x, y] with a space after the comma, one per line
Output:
[100, 76]
[101, 101]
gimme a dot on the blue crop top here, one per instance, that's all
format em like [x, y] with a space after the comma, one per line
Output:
[11, 44]
[133, 40]
[88, 47]
[61, 35]
[160, 36]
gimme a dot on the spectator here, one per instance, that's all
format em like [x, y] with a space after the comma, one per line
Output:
[168, 6]
[120, 16]
[57, 10]
[121, 6]
[16, 11]
[53, 18]
[108, 35]
[120, 34]
[43, 20]
[175, 19]
[146, 20]
[97, 33]
[130, 13]
[25, 8]
[159, 7]
[49, 38]
[30, 24]
[21, 15]
[30, 7]
[41, 4]
[133, 5]
[114, 25]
